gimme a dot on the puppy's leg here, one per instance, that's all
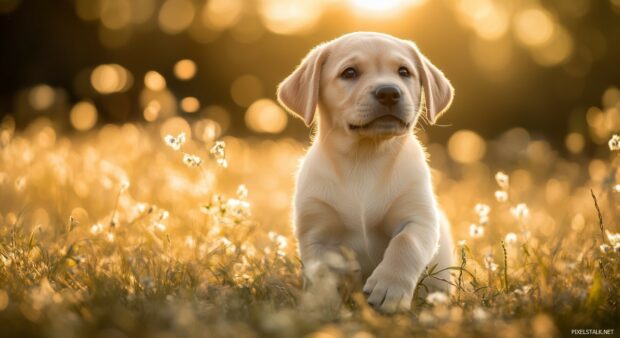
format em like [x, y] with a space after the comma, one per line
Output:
[444, 259]
[326, 265]
[392, 283]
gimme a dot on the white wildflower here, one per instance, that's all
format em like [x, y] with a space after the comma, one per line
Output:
[190, 242]
[520, 211]
[238, 207]
[225, 241]
[482, 209]
[20, 184]
[502, 180]
[476, 231]
[614, 143]
[523, 291]
[175, 142]
[79, 259]
[280, 240]
[192, 160]
[219, 152]
[222, 162]
[96, 228]
[484, 220]
[613, 238]
[437, 298]
[479, 314]
[218, 149]
[124, 185]
[242, 192]
[489, 263]
[605, 248]
[501, 196]
[511, 238]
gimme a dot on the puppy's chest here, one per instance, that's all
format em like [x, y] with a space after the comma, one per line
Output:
[364, 197]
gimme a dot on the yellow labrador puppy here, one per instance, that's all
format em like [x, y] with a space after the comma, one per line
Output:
[365, 183]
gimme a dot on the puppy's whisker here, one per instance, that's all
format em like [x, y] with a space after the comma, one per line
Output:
[443, 125]
[419, 128]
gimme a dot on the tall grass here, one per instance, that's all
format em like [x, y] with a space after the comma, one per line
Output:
[119, 233]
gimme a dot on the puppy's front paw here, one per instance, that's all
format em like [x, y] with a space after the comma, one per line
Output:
[389, 291]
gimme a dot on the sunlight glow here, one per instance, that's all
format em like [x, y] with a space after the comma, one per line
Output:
[265, 116]
[374, 7]
[290, 17]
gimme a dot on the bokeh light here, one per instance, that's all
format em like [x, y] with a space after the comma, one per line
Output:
[222, 14]
[266, 116]
[248, 30]
[115, 14]
[151, 111]
[185, 69]
[575, 142]
[154, 81]
[218, 114]
[493, 57]
[142, 10]
[190, 104]
[290, 17]
[41, 97]
[176, 15]
[383, 7]
[158, 104]
[246, 89]
[466, 146]
[175, 126]
[534, 26]
[207, 130]
[557, 49]
[83, 115]
[111, 78]
[493, 23]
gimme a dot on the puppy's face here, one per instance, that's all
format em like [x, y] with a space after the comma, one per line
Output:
[370, 87]
[367, 85]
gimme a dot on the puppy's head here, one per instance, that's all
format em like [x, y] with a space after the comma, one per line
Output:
[367, 84]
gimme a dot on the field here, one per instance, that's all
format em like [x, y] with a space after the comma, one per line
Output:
[124, 231]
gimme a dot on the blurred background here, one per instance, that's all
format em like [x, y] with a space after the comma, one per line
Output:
[111, 218]
[538, 65]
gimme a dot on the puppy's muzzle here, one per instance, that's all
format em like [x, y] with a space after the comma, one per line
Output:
[387, 95]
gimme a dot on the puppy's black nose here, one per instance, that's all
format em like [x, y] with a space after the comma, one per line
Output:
[387, 94]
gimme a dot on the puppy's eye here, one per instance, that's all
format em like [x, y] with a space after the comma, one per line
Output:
[349, 73]
[404, 72]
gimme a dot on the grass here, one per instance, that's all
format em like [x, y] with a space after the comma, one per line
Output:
[110, 234]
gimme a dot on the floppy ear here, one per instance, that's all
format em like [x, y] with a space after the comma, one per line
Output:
[299, 92]
[438, 92]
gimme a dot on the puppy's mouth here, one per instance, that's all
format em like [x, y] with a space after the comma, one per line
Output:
[386, 124]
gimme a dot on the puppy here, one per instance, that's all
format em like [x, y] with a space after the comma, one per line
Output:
[365, 183]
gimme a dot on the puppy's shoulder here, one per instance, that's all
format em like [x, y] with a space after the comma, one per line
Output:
[313, 167]
[414, 152]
